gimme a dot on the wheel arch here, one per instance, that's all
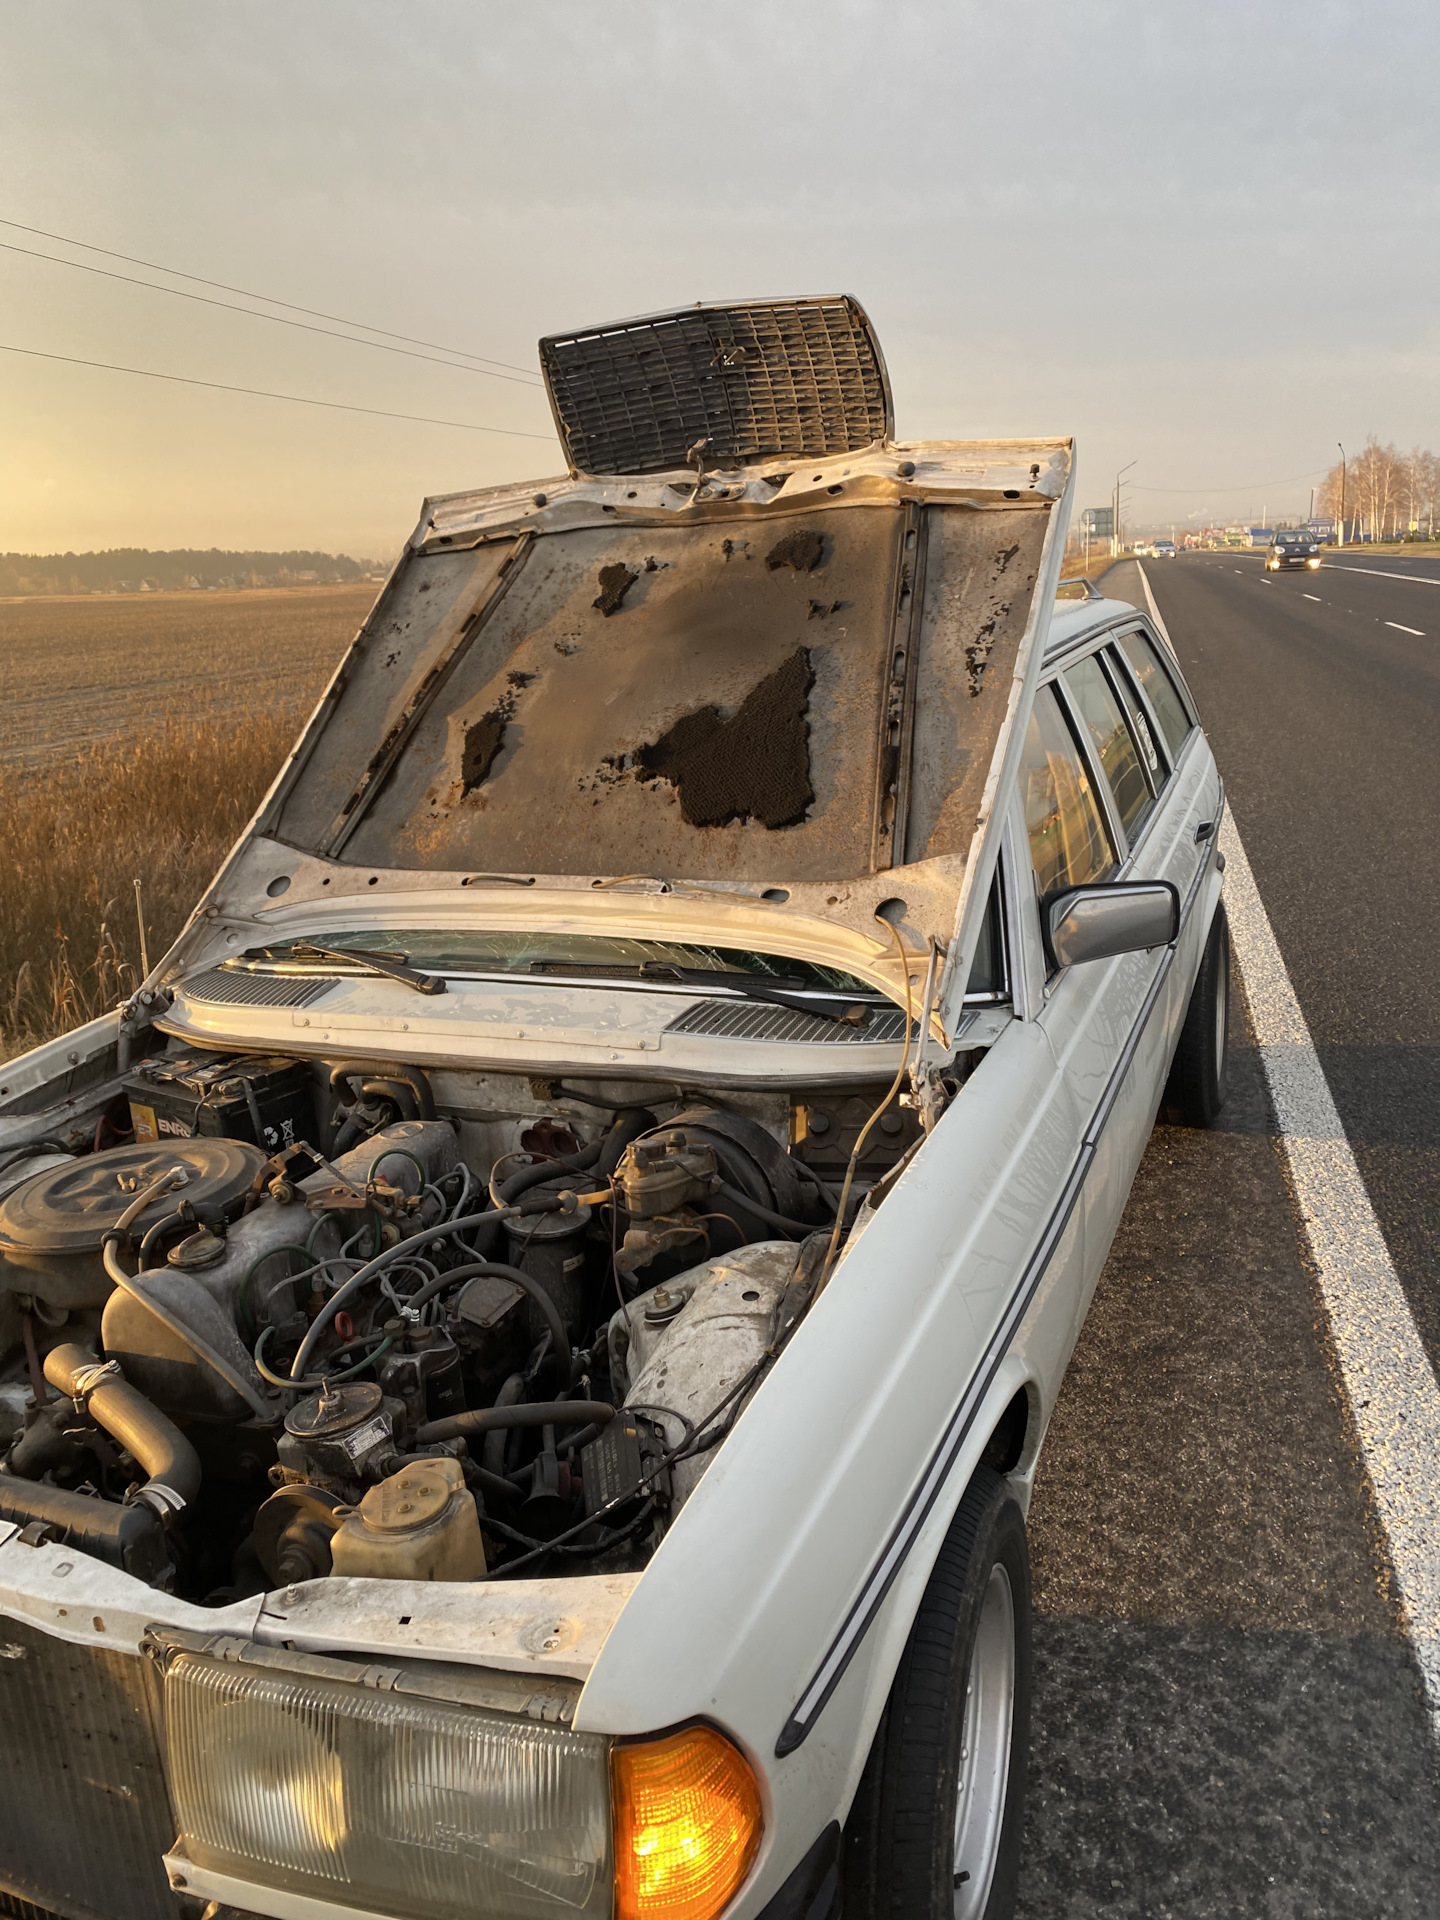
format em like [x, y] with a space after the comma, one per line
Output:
[1011, 1420]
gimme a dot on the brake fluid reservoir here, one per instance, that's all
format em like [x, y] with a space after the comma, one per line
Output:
[420, 1524]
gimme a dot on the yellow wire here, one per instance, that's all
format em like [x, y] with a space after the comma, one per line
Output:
[864, 1135]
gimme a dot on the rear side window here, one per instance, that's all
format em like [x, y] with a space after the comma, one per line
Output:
[1159, 687]
[1114, 744]
[1135, 714]
[1068, 841]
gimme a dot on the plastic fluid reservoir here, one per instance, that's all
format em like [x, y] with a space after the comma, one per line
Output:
[420, 1524]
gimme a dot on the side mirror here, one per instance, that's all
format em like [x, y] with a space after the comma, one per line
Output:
[1116, 916]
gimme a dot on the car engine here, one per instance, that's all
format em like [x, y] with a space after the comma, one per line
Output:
[314, 1319]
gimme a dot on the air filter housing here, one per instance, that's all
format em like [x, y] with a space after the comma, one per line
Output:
[758, 380]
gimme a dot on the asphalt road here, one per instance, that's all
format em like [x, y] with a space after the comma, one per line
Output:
[1321, 695]
[1228, 1720]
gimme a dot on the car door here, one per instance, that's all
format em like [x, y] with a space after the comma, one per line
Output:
[1179, 844]
[1073, 840]
[1154, 776]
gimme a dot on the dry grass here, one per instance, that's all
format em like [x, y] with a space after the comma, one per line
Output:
[73, 840]
[165, 808]
[1076, 566]
[136, 738]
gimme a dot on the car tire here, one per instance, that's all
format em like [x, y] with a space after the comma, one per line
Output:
[1195, 1091]
[935, 1829]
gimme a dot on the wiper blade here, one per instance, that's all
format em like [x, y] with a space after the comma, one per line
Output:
[824, 1006]
[384, 964]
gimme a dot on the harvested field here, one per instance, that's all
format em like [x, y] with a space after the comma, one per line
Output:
[75, 671]
[137, 736]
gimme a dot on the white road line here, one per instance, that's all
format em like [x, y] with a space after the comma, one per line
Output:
[1389, 1381]
[1419, 632]
[1380, 573]
[1390, 1384]
[1312, 596]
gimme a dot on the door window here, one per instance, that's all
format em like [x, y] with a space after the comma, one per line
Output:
[1135, 714]
[1114, 744]
[1158, 686]
[1068, 841]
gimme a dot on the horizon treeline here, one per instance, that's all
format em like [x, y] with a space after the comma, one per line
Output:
[1388, 494]
[133, 569]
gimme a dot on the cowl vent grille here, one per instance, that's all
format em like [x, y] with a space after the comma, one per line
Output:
[223, 988]
[751, 1020]
[781, 378]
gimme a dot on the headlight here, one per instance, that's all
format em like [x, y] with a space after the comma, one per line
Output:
[384, 1800]
[1313, 561]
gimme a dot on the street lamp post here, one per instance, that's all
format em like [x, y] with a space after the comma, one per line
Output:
[1340, 538]
[1115, 518]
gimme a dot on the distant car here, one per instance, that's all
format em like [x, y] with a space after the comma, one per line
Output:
[1141, 550]
[1164, 550]
[1292, 548]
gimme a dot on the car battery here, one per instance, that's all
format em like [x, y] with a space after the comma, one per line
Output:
[263, 1098]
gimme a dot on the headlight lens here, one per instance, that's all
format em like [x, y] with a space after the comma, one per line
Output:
[382, 1800]
[688, 1823]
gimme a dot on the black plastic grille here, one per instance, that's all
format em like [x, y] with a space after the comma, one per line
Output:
[84, 1814]
[14, 1908]
[755, 1020]
[783, 378]
[222, 988]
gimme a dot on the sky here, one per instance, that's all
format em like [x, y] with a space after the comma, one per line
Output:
[1198, 237]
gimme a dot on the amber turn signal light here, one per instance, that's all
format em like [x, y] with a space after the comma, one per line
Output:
[687, 1818]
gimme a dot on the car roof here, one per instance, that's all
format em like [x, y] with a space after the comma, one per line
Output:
[1076, 620]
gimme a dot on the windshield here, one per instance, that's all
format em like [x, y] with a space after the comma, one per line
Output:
[1292, 539]
[485, 950]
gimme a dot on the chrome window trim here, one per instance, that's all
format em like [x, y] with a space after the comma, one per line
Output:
[886, 1567]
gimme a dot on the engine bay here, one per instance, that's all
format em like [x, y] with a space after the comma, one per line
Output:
[268, 1319]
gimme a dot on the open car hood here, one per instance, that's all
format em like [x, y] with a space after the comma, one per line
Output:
[790, 680]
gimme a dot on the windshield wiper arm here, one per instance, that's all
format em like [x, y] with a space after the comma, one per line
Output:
[381, 963]
[825, 1006]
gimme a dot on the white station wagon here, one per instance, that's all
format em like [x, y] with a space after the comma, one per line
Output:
[526, 1343]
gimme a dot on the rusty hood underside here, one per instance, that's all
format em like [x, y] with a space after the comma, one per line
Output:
[796, 684]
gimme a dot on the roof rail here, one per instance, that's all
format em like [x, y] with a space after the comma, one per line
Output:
[1092, 592]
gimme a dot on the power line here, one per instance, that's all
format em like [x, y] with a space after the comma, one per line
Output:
[1253, 486]
[277, 319]
[224, 287]
[264, 393]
